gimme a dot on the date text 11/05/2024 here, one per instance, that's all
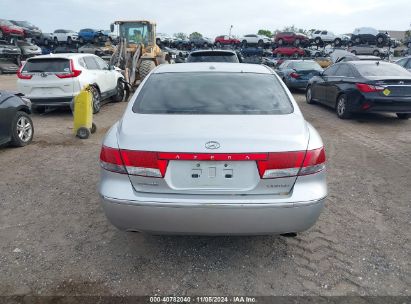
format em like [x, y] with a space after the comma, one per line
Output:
[202, 299]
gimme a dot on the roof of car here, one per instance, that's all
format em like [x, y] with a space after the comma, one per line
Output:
[213, 67]
[368, 62]
[61, 55]
[212, 51]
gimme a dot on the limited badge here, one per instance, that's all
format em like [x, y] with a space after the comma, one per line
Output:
[386, 92]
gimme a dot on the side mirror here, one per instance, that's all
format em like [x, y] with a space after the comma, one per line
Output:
[112, 27]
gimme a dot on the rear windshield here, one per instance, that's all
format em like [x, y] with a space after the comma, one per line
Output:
[305, 65]
[47, 65]
[382, 69]
[212, 93]
[213, 57]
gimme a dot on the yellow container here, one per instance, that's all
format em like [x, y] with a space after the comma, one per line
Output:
[83, 114]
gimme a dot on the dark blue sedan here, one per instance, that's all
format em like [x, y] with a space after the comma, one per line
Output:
[297, 73]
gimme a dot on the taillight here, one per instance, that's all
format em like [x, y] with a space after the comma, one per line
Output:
[287, 164]
[295, 75]
[270, 165]
[143, 163]
[73, 72]
[140, 163]
[368, 88]
[110, 160]
[23, 76]
[314, 162]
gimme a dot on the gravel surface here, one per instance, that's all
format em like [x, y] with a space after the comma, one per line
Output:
[55, 239]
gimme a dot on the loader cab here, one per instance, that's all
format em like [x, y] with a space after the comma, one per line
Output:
[136, 32]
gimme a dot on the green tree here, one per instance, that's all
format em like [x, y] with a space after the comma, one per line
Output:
[195, 35]
[180, 36]
[291, 28]
[265, 33]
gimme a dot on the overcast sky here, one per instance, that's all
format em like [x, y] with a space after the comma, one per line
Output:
[213, 17]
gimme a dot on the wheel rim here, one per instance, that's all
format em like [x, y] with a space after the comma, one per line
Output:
[341, 106]
[96, 99]
[24, 129]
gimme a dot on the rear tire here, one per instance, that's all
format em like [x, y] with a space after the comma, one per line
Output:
[120, 92]
[403, 116]
[145, 68]
[96, 99]
[376, 53]
[337, 42]
[341, 107]
[309, 96]
[318, 41]
[22, 130]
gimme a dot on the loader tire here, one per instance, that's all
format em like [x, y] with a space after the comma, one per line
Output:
[145, 68]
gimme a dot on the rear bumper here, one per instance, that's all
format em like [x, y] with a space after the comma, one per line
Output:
[212, 214]
[394, 105]
[212, 219]
[51, 102]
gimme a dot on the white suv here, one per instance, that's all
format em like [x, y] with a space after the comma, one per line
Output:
[323, 36]
[260, 40]
[54, 80]
[64, 36]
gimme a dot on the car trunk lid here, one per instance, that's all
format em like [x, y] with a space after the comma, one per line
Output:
[45, 81]
[213, 156]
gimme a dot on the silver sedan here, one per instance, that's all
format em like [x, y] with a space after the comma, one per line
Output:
[213, 148]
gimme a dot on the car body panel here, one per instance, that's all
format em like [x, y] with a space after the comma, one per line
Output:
[301, 73]
[226, 40]
[6, 66]
[63, 35]
[289, 51]
[8, 29]
[394, 97]
[291, 38]
[8, 50]
[46, 89]
[88, 35]
[9, 105]
[178, 205]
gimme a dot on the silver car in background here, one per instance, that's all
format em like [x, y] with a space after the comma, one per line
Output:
[213, 148]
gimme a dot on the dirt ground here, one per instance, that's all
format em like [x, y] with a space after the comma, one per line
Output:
[55, 239]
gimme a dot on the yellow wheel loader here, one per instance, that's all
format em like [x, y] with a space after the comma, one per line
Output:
[137, 52]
